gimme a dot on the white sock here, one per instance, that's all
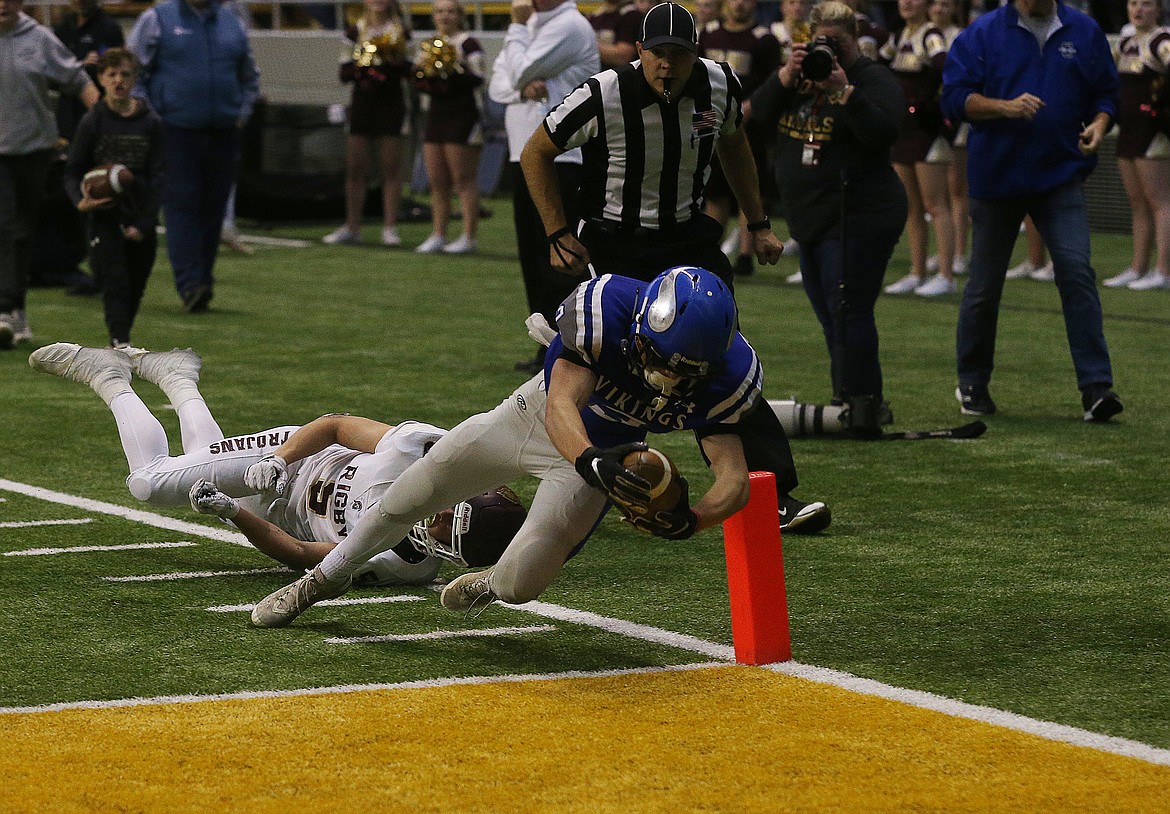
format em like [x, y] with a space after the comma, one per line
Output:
[143, 437]
[197, 425]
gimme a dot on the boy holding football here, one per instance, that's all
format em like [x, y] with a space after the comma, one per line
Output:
[119, 130]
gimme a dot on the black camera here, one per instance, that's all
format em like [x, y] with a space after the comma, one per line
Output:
[822, 53]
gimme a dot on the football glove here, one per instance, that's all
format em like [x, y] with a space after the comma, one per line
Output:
[602, 469]
[207, 499]
[678, 523]
[269, 474]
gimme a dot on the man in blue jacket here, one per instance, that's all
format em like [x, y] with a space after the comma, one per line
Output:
[1038, 83]
[199, 76]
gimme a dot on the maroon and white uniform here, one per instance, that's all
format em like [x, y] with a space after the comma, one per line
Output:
[454, 103]
[753, 53]
[917, 59]
[614, 25]
[1143, 117]
[378, 103]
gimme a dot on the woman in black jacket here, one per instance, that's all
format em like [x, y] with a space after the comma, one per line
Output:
[836, 115]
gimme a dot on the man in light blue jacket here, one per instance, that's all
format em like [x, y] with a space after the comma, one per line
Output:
[1037, 81]
[199, 76]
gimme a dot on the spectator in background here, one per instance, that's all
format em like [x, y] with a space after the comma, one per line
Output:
[922, 152]
[615, 23]
[549, 49]
[871, 35]
[451, 75]
[119, 129]
[944, 16]
[754, 54]
[707, 11]
[374, 59]
[1036, 265]
[174, 41]
[1143, 146]
[1037, 81]
[32, 62]
[87, 31]
[832, 158]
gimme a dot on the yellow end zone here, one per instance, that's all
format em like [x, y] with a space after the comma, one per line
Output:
[724, 739]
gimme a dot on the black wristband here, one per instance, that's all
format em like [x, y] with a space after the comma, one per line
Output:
[558, 234]
[760, 225]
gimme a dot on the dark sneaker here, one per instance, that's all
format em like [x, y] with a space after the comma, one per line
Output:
[744, 267]
[798, 517]
[1100, 404]
[196, 300]
[974, 399]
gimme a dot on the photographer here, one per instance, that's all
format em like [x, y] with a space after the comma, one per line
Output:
[836, 114]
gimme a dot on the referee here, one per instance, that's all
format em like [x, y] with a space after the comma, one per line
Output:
[647, 133]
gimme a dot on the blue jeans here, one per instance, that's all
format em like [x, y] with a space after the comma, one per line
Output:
[1062, 220]
[200, 167]
[844, 304]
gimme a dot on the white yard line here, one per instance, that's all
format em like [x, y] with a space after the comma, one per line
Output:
[361, 600]
[34, 523]
[136, 515]
[442, 634]
[84, 549]
[198, 575]
[725, 654]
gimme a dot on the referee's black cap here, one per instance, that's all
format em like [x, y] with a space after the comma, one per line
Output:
[669, 24]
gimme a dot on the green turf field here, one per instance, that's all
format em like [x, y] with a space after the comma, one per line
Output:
[1026, 570]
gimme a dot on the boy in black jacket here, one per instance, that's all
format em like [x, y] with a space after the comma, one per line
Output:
[119, 129]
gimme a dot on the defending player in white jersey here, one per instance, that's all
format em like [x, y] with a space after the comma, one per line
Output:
[631, 358]
[295, 492]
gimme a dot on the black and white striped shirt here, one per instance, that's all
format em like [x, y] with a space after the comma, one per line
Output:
[646, 162]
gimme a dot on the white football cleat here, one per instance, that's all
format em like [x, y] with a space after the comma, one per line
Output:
[432, 244]
[176, 371]
[467, 591]
[106, 370]
[279, 608]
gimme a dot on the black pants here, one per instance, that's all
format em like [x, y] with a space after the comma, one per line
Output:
[22, 187]
[644, 257]
[544, 288]
[121, 268]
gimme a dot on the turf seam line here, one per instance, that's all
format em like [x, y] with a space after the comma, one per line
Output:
[442, 634]
[85, 549]
[28, 524]
[362, 600]
[199, 575]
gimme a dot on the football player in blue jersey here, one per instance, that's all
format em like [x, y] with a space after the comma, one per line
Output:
[630, 358]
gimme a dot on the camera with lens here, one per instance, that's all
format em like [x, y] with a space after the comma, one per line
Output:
[819, 59]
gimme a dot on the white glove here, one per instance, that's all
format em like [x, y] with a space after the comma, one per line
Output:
[539, 329]
[269, 474]
[207, 499]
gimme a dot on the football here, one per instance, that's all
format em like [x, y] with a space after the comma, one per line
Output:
[108, 181]
[662, 475]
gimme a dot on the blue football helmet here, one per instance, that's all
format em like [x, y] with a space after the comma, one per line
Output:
[683, 325]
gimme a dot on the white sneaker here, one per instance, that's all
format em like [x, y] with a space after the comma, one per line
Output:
[106, 370]
[906, 285]
[936, 286]
[342, 236]
[279, 608]
[7, 329]
[932, 264]
[1149, 282]
[390, 237]
[176, 372]
[730, 244]
[466, 591]
[432, 245]
[1024, 269]
[960, 264]
[1124, 279]
[1044, 274]
[795, 279]
[460, 245]
[791, 248]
